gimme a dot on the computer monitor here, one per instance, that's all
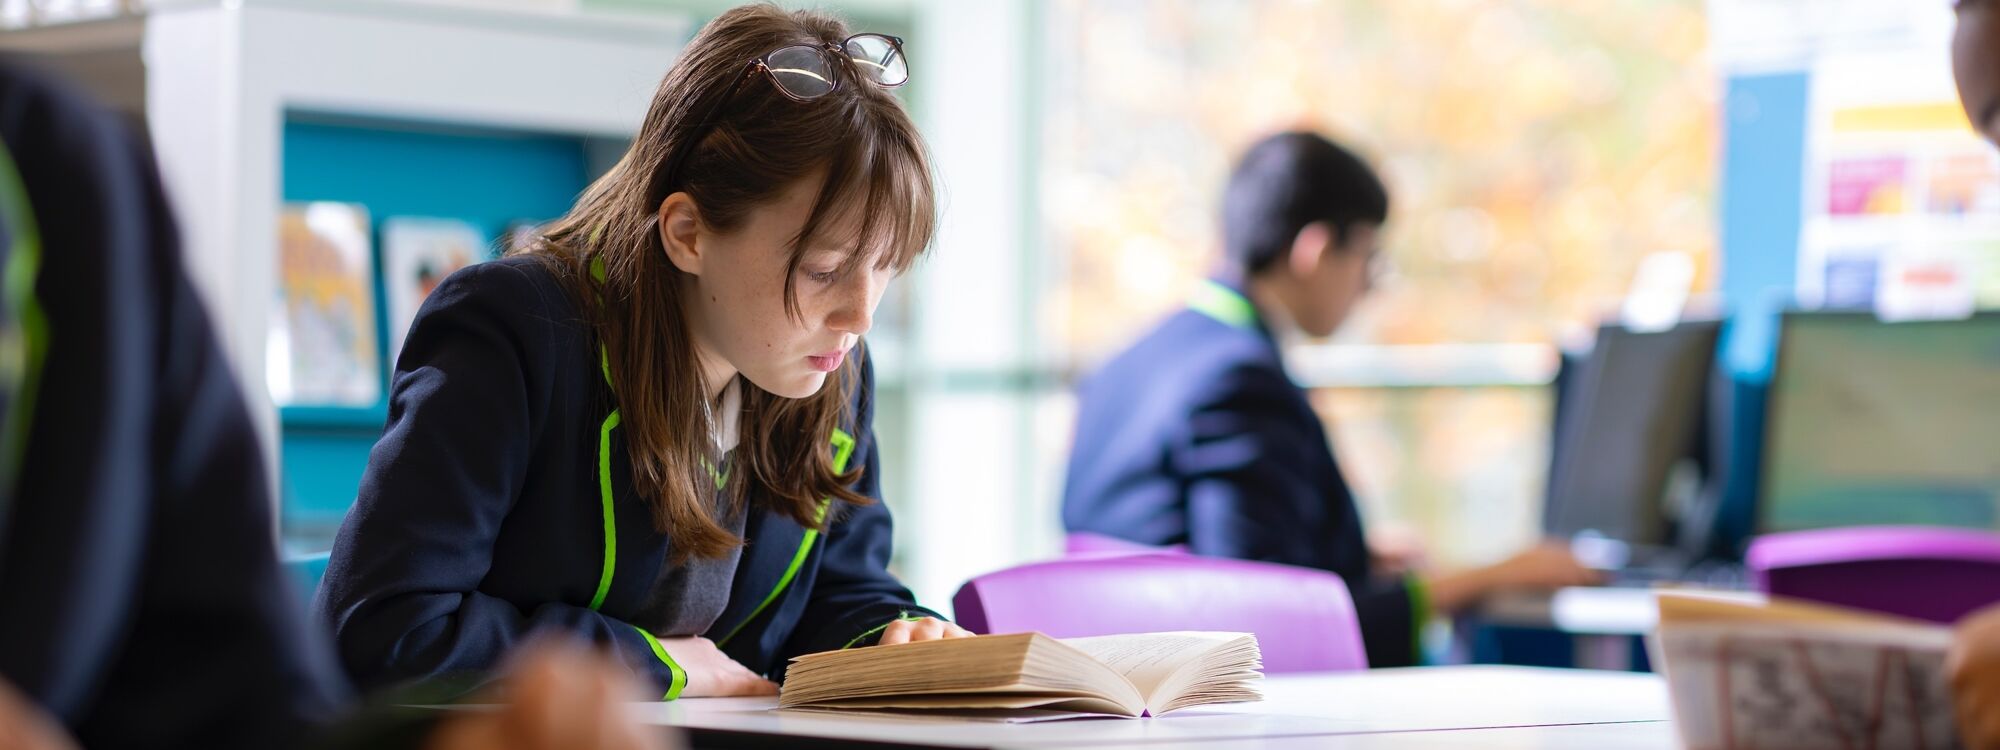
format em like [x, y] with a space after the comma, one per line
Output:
[1628, 413]
[1874, 423]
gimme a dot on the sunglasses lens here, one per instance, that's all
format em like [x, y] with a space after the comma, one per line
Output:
[878, 59]
[801, 71]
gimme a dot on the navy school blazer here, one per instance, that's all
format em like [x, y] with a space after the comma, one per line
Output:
[141, 600]
[498, 504]
[1196, 436]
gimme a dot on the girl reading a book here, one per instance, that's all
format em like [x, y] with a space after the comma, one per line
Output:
[650, 427]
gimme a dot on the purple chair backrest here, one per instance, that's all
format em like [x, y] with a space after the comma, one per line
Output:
[1929, 573]
[1084, 543]
[1303, 618]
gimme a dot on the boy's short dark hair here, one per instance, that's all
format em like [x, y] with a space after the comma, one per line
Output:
[1288, 181]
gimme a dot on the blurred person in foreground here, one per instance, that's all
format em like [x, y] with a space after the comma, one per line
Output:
[141, 599]
[1974, 663]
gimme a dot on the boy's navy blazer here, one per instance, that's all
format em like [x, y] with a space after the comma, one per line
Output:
[1196, 436]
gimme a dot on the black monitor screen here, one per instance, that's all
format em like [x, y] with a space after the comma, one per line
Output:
[1630, 412]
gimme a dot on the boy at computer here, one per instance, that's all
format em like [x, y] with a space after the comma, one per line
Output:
[1196, 436]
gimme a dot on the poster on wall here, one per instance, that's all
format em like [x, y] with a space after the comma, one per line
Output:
[1902, 198]
[1866, 185]
[417, 255]
[1926, 282]
[1851, 277]
[321, 346]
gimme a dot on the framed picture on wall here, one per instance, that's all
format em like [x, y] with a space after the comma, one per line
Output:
[322, 338]
[417, 255]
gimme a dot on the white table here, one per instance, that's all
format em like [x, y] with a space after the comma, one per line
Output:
[1421, 707]
[1644, 735]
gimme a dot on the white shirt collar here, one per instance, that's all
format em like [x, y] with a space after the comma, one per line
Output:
[727, 433]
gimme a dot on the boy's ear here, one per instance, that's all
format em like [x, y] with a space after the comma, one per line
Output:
[679, 225]
[1311, 245]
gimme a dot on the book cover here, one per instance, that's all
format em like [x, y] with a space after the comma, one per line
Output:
[417, 255]
[322, 337]
[1788, 674]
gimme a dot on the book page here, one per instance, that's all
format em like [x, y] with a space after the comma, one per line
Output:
[1126, 675]
[1150, 660]
[993, 701]
[1688, 607]
[994, 671]
[959, 715]
[1804, 676]
[1762, 688]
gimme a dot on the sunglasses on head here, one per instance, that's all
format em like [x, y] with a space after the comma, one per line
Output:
[804, 72]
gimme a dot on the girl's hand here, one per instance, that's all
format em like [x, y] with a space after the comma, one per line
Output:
[926, 629]
[711, 673]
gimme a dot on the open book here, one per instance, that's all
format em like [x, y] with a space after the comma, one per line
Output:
[1119, 675]
[1790, 674]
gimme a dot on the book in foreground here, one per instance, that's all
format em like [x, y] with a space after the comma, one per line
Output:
[1117, 675]
[1793, 674]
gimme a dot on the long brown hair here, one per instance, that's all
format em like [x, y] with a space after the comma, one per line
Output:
[875, 165]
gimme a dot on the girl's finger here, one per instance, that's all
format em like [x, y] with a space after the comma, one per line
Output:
[897, 632]
[933, 628]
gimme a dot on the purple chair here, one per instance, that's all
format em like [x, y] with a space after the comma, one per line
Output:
[1303, 618]
[1084, 543]
[1928, 573]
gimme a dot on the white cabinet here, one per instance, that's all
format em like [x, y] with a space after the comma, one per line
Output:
[213, 82]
